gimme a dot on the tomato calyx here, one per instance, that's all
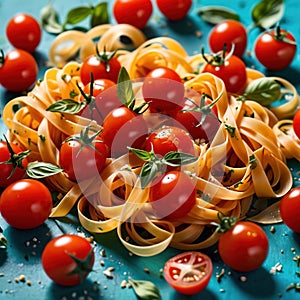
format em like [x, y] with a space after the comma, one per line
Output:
[225, 223]
[83, 266]
[155, 165]
[105, 57]
[218, 59]
[281, 35]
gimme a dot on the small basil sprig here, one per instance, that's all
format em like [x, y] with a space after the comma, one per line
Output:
[217, 14]
[154, 165]
[51, 23]
[39, 170]
[263, 90]
[145, 290]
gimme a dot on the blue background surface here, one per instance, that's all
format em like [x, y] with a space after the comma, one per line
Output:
[25, 247]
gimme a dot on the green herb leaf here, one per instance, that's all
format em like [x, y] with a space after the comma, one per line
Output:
[3, 240]
[217, 14]
[145, 290]
[263, 90]
[176, 158]
[78, 14]
[50, 20]
[267, 13]
[100, 15]
[66, 106]
[142, 154]
[38, 170]
[148, 172]
[124, 87]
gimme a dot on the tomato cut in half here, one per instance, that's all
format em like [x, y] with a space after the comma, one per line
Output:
[189, 272]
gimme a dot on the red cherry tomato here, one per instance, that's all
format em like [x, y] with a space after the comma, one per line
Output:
[24, 32]
[6, 175]
[68, 259]
[82, 159]
[164, 90]
[280, 43]
[26, 204]
[189, 272]
[296, 123]
[232, 71]
[172, 195]
[244, 247]
[289, 209]
[133, 12]
[122, 128]
[174, 10]
[18, 70]
[228, 32]
[102, 66]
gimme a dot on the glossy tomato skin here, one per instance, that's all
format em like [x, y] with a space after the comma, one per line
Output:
[244, 247]
[172, 195]
[6, 176]
[26, 204]
[133, 12]
[80, 161]
[179, 271]
[289, 209]
[232, 72]
[283, 52]
[163, 90]
[24, 32]
[19, 71]
[296, 124]
[228, 32]
[174, 10]
[58, 264]
[123, 128]
[94, 64]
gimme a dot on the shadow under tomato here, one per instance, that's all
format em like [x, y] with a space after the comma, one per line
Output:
[204, 295]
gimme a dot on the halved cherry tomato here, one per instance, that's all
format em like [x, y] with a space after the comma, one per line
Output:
[289, 209]
[189, 272]
[24, 32]
[18, 70]
[133, 12]
[26, 204]
[172, 195]
[68, 259]
[296, 123]
[174, 10]
[228, 32]
[244, 247]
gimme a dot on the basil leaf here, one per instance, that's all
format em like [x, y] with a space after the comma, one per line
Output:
[217, 14]
[38, 170]
[78, 14]
[263, 90]
[100, 15]
[3, 240]
[148, 172]
[267, 13]
[66, 106]
[142, 154]
[176, 158]
[50, 20]
[145, 290]
[124, 87]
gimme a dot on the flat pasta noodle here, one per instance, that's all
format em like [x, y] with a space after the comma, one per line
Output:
[245, 159]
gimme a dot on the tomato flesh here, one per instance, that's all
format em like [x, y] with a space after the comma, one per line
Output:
[174, 10]
[296, 124]
[188, 273]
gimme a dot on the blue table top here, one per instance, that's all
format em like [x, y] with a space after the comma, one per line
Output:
[25, 247]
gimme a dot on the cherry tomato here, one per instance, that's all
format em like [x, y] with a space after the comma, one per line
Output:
[169, 138]
[68, 259]
[296, 123]
[232, 71]
[123, 128]
[244, 247]
[78, 154]
[289, 208]
[163, 90]
[228, 32]
[26, 204]
[24, 32]
[15, 159]
[102, 66]
[18, 70]
[172, 195]
[133, 12]
[174, 10]
[189, 272]
[280, 43]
